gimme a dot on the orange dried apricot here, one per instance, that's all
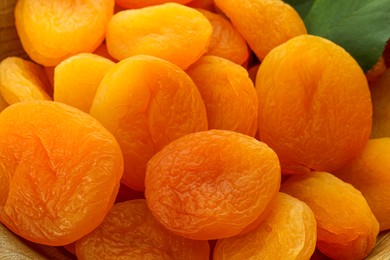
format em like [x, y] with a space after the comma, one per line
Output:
[59, 171]
[134, 4]
[311, 120]
[130, 232]
[226, 41]
[346, 226]
[51, 31]
[77, 78]
[252, 71]
[228, 93]
[380, 95]
[288, 232]
[171, 31]
[369, 173]
[147, 102]
[264, 24]
[211, 184]
[22, 80]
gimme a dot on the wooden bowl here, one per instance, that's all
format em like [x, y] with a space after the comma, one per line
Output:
[14, 247]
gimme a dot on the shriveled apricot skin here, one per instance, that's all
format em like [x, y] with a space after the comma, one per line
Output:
[346, 226]
[264, 24]
[22, 80]
[134, 4]
[228, 93]
[211, 184]
[59, 171]
[314, 105]
[171, 31]
[226, 41]
[130, 232]
[77, 78]
[288, 232]
[146, 103]
[51, 31]
[369, 173]
[380, 94]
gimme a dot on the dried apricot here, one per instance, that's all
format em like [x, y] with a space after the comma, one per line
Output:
[77, 78]
[173, 32]
[59, 171]
[288, 232]
[130, 232]
[264, 24]
[134, 4]
[103, 52]
[346, 226]
[226, 41]
[51, 31]
[380, 94]
[211, 184]
[147, 102]
[22, 80]
[228, 93]
[311, 120]
[369, 173]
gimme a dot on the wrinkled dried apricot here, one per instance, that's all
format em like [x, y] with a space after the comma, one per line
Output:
[147, 102]
[173, 32]
[226, 41]
[220, 80]
[211, 184]
[264, 24]
[369, 173]
[77, 78]
[22, 80]
[346, 226]
[130, 232]
[134, 4]
[288, 232]
[103, 52]
[311, 120]
[60, 171]
[380, 95]
[51, 31]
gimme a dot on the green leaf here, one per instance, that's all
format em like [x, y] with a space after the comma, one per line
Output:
[362, 27]
[301, 6]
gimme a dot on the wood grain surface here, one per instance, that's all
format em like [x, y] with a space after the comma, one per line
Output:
[13, 247]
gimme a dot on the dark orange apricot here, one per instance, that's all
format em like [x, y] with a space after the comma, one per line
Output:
[171, 31]
[311, 120]
[22, 80]
[135, 4]
[103, 52]
[51, 31]
[226, 41]
[147, 102]
[228, 93]
[130, 232]
[60, 171]
[288, 232]
[211, 184]
[377, 70]
[3, 103]
[204, 4]
[346, 226]
[264, 24]
[369, 173]
[77, 78]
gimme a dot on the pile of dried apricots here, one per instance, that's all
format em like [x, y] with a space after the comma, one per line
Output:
[190, 130]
